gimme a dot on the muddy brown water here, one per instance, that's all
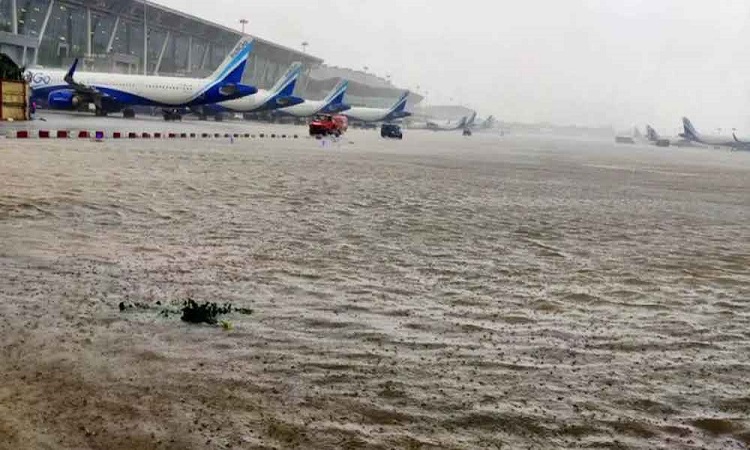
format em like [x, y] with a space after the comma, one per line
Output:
[438, 292]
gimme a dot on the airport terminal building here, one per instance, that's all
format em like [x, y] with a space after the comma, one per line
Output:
[128, 36]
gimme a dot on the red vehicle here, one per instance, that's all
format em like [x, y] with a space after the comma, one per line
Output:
[329, 126]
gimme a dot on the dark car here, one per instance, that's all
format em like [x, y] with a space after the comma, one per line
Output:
[391, 131]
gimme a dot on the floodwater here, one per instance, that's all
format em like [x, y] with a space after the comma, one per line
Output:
[435, 293]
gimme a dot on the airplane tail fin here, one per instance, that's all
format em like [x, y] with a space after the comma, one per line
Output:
[336, 97]
[286, 84]
[400, 105]
[651, 134]
[690, 132]
[637, 133]
[462, 123]
[232, 69]
[470, 121]
[71, 73]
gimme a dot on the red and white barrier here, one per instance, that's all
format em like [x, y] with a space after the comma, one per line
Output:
[100, 135]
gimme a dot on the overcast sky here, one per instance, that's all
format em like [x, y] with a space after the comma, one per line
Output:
[590, 62]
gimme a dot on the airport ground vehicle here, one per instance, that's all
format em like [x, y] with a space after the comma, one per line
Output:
[388, 130]
[329, 126]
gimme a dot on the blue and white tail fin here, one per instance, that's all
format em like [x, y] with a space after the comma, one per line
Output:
[287, 83]
[232, 69]
[690, 132]
[69, 77]
[400, 105]
[336, 96]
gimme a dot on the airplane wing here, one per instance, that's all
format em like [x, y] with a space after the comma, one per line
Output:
[89, 92]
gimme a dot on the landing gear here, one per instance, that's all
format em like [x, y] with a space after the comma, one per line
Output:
[100, 112]
[128, 113]
[172, 115]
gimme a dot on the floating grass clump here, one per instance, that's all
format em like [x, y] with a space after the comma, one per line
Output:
[207, 312]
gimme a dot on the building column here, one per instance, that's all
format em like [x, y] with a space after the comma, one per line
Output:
[112, 36]
[88, 33]
[190, 55]
[145, 39]
[161, 53]
[206, 55]
[43, 30]
[14, 15]
[252, 65]
[262, 80]
[306, 84]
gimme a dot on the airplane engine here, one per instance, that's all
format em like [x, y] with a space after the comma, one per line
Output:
[64, 99]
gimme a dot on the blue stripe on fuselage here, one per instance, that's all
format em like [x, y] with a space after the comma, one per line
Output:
[127, 98]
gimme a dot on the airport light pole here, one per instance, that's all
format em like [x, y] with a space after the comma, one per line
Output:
[244, 22]
[304, 46]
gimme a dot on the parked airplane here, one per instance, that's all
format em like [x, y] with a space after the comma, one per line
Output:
[471, 121]
[486, 125]
[631, 137]
[332, 104]
[397, 111]
[654, 138]
[434, 125]
[110, 92]
[743, 144]
[717, 141]
[280, 95]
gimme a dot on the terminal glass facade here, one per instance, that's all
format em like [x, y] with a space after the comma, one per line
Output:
[108, 36]
[6, 16]
[31, 14]
[102, 26]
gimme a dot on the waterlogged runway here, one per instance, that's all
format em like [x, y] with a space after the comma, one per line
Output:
[438, 292]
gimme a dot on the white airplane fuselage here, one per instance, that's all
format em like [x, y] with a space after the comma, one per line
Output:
[308, 109]
[126, 89]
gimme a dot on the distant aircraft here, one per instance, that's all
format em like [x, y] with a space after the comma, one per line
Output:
[637, 135]
[654, 138]
[281, 95]
[718, 141]
[434, 125]
[397, 111]
[110, 92]
[633, 137]
[471, 121]
[332, 104]
[486, 125]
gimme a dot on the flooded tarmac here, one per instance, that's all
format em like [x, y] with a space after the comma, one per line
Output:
[438, 292]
